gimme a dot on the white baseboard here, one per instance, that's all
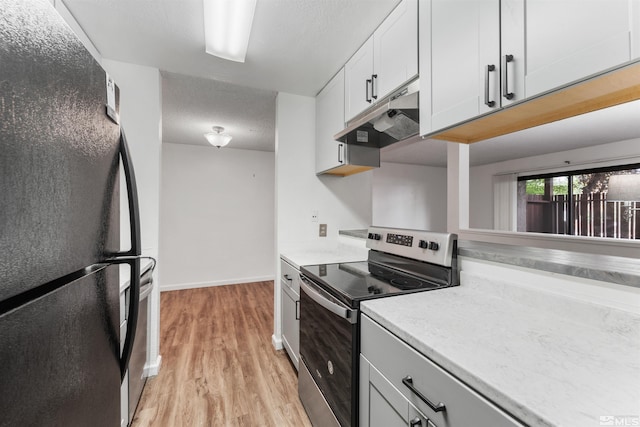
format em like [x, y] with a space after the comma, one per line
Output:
[181, 286]
[276, 342]
[152, 369]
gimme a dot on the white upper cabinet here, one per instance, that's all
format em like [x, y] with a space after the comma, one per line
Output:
[329, 121]
[472, 52]
[461, 64]
[635, 29]
[395, 49]
[567, 40]
[388, 59]
[358, 75]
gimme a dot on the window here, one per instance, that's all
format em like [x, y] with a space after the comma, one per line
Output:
[575, 203]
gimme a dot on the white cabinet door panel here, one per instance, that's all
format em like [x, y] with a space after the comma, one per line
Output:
[357, 71]
[635, 29]
[512, 43]
[290, 297]
[381, 404]
[567, 40]
[329, 121]
[464, 40]
[290, 323]
[424, 58]
[388, 59]
[395, 48]
[381, 414]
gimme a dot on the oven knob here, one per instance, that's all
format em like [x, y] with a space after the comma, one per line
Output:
[370, 236]
[376, 236]
[423, 244]
[434, 246]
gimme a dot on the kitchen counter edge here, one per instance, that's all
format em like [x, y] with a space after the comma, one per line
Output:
[604, 268]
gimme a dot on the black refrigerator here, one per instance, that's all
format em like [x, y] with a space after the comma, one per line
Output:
[61, 153]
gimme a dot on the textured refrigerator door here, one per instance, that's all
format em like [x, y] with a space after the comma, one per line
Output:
[59, 218]
[59, 354]
[59, 187]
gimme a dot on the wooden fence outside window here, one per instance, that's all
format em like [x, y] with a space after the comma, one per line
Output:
[585, 215]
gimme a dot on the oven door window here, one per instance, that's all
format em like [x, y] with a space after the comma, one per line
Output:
[326, 343]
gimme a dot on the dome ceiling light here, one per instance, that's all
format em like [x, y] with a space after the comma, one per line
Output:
[217, 138]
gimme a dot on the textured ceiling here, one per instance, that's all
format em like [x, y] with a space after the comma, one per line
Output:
[296, 46]
[192, 105]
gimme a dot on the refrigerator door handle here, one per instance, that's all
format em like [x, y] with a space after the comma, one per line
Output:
[132, 192]
[131, 257]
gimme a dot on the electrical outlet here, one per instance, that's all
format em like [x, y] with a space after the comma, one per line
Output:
[323, 230]
[314, 216]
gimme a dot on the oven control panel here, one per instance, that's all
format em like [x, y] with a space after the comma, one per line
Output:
[433, 247]
[400, 239]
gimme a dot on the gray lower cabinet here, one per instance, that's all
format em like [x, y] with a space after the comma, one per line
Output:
[290, 286]
[401, 387]
[381, 404]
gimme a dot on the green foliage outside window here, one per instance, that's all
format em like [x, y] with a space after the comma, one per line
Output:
[536, 186]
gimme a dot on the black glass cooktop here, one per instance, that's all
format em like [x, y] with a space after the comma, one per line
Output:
[353, 282]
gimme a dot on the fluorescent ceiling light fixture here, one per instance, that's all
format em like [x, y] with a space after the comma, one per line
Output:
[227, 26]
[217, 138]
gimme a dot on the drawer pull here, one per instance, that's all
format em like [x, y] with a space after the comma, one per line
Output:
[286, 276]
[415, 422]
[408, 382]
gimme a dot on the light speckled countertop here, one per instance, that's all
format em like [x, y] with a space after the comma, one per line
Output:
[546, 359]
[345, 249]
[360, 234]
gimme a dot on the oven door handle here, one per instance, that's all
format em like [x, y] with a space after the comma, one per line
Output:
[317, 295]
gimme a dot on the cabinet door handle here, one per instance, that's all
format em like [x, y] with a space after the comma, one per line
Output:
[505, 86]
[340, 159]
[286, 276]
[415, 422]
[298, 310]
[408, 382]
[367, 97]
[488, 103]
[374, 78]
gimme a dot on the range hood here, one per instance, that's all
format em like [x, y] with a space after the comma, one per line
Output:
[394, 119]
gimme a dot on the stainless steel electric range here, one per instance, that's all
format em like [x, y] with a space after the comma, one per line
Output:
[400, 261]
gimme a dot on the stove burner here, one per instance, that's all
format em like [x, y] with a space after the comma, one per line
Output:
[405, 283]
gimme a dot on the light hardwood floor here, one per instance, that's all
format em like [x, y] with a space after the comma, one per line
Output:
[218, 365]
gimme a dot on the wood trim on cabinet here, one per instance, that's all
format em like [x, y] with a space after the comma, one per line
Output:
[612, 88]
[347, 170]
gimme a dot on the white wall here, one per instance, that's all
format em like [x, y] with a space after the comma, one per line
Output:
[410, 196]
[140, 113]
[481, 177]
[342, 203]
[216, 216]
